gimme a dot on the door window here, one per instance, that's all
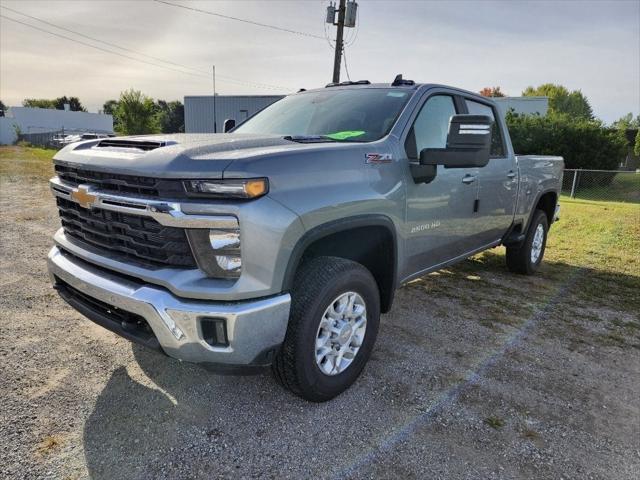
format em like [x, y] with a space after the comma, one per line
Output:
[476, 108]
[431, 126]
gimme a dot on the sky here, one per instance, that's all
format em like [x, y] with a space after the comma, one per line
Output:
[593, 46]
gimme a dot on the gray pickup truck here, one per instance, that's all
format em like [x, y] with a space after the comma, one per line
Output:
[281, 242]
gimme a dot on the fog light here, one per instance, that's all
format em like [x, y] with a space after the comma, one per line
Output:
[229, 263]
[221, 239]
[217, 251]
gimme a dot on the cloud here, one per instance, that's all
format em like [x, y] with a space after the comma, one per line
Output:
[591, 46]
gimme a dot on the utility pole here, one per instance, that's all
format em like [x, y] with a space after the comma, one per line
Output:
[215, 126]
[337, 60]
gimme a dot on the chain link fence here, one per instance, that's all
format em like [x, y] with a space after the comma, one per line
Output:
[603, 185]
[41, 139]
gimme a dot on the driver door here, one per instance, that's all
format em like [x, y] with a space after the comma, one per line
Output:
[440, 216]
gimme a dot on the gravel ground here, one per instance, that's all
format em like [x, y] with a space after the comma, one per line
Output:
[477, 373]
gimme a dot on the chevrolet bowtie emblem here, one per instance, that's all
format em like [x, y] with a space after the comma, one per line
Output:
[83, 197]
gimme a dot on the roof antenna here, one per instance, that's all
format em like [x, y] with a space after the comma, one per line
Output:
[400, 81]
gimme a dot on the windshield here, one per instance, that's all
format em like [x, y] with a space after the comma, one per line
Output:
[347, 115]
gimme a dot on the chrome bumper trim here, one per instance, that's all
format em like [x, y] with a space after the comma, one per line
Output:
[166, 213]
[252, 326]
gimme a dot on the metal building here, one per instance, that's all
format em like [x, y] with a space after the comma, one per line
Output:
[198, 110]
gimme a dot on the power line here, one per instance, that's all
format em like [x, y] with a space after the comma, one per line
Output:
[101, 41]
[346, 67]
[200, 74]
[100, 48]
[251, 22]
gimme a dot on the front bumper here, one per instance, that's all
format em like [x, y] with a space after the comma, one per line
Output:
[254, 328]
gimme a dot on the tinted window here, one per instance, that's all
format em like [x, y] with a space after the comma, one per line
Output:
[475, 108]
[351, 114]
[431, 126]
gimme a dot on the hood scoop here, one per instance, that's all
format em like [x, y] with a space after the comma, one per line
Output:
[131, 144]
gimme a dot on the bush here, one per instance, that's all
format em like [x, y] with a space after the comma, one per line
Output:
[585, 144]
[136, 114]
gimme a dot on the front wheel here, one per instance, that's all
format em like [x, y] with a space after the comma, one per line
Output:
[527, 257]
[333, 324]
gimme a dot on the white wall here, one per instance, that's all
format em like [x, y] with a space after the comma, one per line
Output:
[41, 120]
[7, 131]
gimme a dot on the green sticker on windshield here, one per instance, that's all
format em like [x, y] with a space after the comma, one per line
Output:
[345, 134]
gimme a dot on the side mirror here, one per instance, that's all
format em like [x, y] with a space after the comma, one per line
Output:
[468, 143]
[229, 124]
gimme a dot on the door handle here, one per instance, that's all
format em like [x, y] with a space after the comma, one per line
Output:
[468, 179]
[511, 174]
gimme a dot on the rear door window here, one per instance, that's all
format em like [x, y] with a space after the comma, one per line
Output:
[497, 145]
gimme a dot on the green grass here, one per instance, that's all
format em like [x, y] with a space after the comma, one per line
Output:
[18, 161]
[603, 236]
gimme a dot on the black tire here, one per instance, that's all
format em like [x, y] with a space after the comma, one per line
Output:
[519, 258]
[318, 283]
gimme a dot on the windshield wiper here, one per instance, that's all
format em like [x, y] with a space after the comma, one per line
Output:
[309, 138]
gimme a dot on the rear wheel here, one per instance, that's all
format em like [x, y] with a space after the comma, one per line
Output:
[527, 257]
[333, 324]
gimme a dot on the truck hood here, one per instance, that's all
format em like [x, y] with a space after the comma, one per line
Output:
[175, 156]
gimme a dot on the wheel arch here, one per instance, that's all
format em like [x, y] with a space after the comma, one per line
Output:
[546, 202]
[367, 239]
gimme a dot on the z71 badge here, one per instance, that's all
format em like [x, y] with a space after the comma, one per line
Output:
[378, 157]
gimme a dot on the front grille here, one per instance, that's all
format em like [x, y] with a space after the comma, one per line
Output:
[131, 237]
[127, 184]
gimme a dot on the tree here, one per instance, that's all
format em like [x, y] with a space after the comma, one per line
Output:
[583, 143]
[57, 103]
[491, 92]
[562, 101]
[38, 103]
[136, 114]
[3, 108]
[626, 122]
[626, 126]
[170, 116]
[109, 108]
[74, 104]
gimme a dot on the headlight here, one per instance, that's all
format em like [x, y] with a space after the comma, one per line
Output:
[232, 188]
